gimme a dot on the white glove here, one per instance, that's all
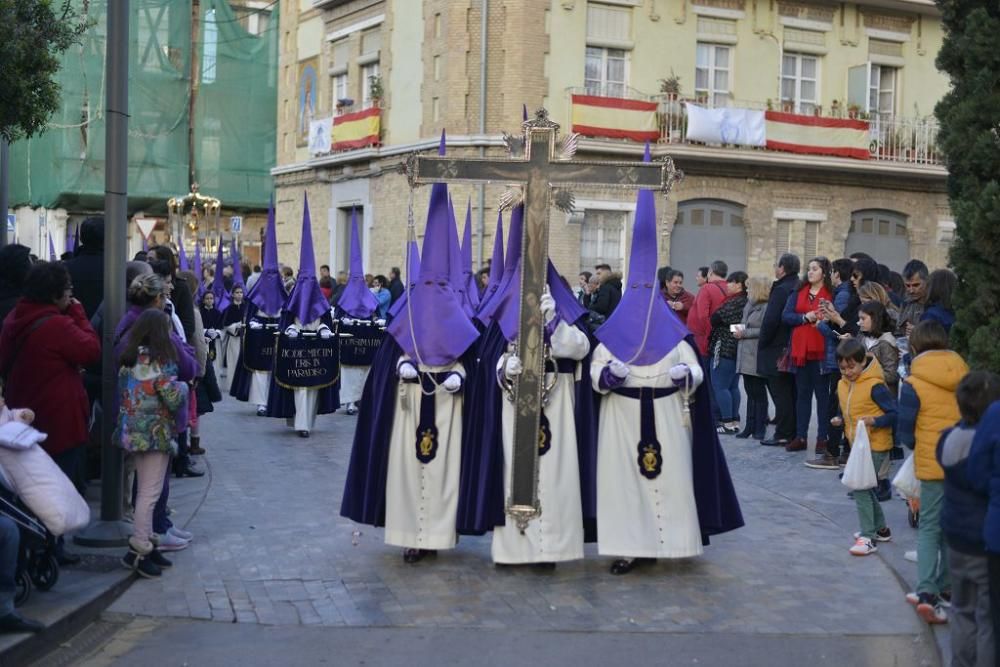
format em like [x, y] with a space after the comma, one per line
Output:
[325, 333]
[407, 370]
[292, 332]
[679, 372]
[215, 333]
[348, 321]
[254, 324]
[452, 383]
[618, 369]
[548, 306]
[513, 367]
[380, 323]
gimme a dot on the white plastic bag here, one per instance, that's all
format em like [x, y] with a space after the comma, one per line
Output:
[906, 481]
[859, 473]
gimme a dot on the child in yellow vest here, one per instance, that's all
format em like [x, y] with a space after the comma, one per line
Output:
[864, 396]
[927, 407]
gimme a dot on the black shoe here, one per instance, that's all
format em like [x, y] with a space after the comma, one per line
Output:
[141, 565]
[416, 555]
[745, 433]
[188, 471]
[774, 442]
[626, 565]
[14, 622]
[545, 566]
[158, 559]
[303, 434]
[64, 558]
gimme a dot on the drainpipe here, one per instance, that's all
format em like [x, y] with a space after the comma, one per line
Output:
[482, 128]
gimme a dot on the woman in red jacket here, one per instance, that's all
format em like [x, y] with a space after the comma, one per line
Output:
[45, 342]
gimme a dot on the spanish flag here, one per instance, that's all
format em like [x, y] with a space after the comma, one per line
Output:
[357, 130]
[817, 135]
[615, 118]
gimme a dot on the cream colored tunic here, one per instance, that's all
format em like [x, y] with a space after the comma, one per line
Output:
[260, 383]
[639, 517]
[557, 534]
[306, 400]
[422, 498]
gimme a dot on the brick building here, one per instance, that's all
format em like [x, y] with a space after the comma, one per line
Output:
[871, 61]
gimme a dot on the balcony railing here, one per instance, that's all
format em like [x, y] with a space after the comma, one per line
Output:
[891, 138]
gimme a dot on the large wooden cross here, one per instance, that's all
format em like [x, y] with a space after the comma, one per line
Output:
[540, 166]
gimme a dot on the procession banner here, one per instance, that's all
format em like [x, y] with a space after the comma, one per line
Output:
[258, 348]
[616, 118]
[357, 130]
[306, 361]
[358, 347]
[816, 135]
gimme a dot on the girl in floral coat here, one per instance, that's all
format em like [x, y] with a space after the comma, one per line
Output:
[153, 409]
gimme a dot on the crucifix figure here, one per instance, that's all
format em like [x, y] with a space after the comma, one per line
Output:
[545, 164]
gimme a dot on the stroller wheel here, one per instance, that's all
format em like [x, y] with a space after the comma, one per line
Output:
[45, 572]
[23, 583]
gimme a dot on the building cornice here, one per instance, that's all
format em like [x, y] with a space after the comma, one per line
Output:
[743, 163]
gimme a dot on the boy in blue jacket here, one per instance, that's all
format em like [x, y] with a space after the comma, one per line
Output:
[969, 466]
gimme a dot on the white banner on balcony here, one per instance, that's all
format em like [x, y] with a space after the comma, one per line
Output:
[320, 136]
[726, 126]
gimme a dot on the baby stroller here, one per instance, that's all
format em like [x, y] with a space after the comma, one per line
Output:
[36, 561]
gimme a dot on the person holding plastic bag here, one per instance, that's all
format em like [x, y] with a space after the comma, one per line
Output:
[869, 413]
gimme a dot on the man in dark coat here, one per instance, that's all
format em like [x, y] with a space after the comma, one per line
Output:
[87, 267]
[773, 343]
[604, 301]
[15, 262]
[395, 285]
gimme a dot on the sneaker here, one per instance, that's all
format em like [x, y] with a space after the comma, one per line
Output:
[183, 534]
[910, 556]
[725, 429]
[170, 542]
[945, 599]
[881, 535]
[863, 547]
[823, 462]
[929, 609]
[913, 598]
[261, 411]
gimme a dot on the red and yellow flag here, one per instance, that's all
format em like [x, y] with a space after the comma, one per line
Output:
[616, 118]
[357, 130]
[817, 135]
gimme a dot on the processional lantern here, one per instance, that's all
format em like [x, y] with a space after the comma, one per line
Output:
[194, 215]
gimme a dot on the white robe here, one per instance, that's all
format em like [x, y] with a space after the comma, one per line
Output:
[352, 383]
[639, 517]
[231, 342]
[260, 382]
[557, 534]
[306, 400]
[422, 498]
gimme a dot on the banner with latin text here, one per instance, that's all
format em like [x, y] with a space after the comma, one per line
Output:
[306, 361]
[358, 346]
[258, 348]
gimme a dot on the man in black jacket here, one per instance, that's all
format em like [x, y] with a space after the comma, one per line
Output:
[775, 337]
[604, 301]
[395, 285]
[86, 269]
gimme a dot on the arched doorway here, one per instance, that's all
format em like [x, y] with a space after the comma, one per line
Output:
[882, 234]
[707, 230]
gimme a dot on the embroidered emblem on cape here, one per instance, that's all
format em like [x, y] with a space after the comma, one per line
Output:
[544, 435]
[427, 444]
[650, 460]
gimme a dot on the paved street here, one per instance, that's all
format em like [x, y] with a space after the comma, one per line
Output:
[271, 550]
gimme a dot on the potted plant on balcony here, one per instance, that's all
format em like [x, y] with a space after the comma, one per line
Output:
[376, 92]
[671, 112]
[853, 111]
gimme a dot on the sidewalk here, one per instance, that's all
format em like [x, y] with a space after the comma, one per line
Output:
[84, 591]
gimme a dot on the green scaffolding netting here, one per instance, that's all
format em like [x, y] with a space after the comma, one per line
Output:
[233, 118]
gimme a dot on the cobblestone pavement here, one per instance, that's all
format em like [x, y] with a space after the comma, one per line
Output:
[271, 548]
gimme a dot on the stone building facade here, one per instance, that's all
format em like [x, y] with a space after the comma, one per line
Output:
[739, 204]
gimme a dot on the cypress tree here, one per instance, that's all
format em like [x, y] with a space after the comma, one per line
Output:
[969, 118]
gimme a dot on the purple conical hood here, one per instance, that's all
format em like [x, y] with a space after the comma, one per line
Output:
[642, 329]
[412, 272]
[455, 268]
[218, 282]
[507, 280]
[268, 293]
[496, 264]
[306, 301]
[471, 289]
[568, 309]
[234, 254]
[74, 240]
[198, 272]
[185, 265]
[145, 245]
[357, 300]
[433, 328]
